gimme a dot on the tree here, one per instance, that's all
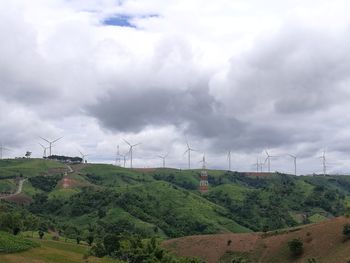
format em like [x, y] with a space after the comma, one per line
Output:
[296, 247]
[346, 230]
[90, 239]
[31, 223]
[111, 243]
[41, 234]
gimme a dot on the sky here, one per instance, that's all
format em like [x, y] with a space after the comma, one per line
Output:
[244, 76]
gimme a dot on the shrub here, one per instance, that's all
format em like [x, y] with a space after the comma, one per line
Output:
[346, 230]
[296, 247]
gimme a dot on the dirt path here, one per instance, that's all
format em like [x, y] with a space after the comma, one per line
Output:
[18, 191]
[70, 170]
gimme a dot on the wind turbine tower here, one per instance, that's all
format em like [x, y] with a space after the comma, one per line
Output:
[163, 158]
[51, 143]
[188, 151]
[44, 148]
[124, 158]
[324, 163]
[229, 160]
[258, 165]
[294, 157]
[268, 159]
[2, 149]
[131, 150]
[83, 156]
[117, 157]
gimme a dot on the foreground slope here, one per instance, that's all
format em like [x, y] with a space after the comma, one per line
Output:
[53, 252]
[322, 241]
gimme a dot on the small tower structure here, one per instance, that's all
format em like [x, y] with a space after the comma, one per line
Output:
[203, 183]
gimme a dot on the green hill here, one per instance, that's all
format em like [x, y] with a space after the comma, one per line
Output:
[166, 202]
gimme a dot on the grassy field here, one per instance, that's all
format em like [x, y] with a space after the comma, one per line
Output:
[7, 185]
[29, 167]
[323, 241]
[53, 252]
[11, 244]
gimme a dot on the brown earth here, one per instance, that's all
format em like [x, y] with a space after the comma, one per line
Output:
[323, 241]
[68, 182]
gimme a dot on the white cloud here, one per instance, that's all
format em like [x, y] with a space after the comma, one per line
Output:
[245, 75]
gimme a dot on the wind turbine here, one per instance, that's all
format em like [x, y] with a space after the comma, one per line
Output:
[117, 157]
[130, 150]
[295, 163]
[229, 160]
[323, 157]
[51, 142]
[268, 159]
[189, 149]
[83, 156]
[163, 157]
[2, 148]
[258, 165]
[124, 158]
[44, 148]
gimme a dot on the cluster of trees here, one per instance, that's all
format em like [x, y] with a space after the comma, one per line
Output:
[65, 159]
[45, 183]
[268, 207]
[133, 249]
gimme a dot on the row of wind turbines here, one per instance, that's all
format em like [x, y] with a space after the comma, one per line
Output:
[259, 165]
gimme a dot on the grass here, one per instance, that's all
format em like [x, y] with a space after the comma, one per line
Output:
[234, 192]
[110, 175]
[316, 218]
[54, 252]
[7, 185]
[27, 167]
[184, 205]
[11, 244]
[63, 193]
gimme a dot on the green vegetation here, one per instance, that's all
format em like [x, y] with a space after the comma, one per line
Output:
[132, 249]
[28, 167]
[101, 199]
[296, 247]
[11, 244]
[45, 183]
[346, 230]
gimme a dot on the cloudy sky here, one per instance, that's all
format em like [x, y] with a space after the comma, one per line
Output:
[239, 75]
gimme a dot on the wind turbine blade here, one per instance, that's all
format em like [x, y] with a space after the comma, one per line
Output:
[42, 146]
[267, 153]
[186, 151]
[127, 142]
[266, 159]
[136, 144]
[57, 139]
[44, 139]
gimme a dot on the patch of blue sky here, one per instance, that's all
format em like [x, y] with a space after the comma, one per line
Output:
[119, 20]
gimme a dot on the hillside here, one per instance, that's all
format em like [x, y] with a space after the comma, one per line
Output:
[11, 244]
[52, 251]
[322, 241]
[166, 203]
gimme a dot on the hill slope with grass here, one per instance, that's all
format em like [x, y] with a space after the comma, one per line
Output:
[11, 244]
[323, 242]
[52, 252]
[94, 198]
